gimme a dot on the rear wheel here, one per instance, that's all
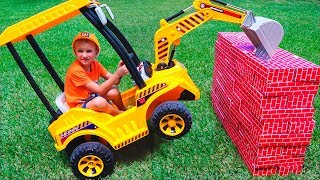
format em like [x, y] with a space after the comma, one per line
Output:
[92, 160]
[171, 120]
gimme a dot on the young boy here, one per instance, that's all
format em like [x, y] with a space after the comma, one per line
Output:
[81, 81]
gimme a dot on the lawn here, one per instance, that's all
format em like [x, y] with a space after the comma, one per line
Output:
[27, 150]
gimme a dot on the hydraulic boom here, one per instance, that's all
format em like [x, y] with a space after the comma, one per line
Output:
[257, 29]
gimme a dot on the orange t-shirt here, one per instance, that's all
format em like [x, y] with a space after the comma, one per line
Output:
[77, 77]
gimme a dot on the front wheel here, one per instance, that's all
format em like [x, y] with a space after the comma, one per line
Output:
[92, 160]
[171, 120]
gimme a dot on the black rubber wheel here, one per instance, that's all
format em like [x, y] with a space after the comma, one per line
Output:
[171, 120]
[92, 160]
[73, 144]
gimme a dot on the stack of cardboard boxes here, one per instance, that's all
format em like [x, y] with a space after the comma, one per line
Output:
[266, 107]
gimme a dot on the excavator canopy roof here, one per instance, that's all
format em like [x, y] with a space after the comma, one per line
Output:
[42, 21]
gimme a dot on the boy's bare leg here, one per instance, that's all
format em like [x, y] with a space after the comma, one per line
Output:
[115, 96]
[101, 104]
[117, 100]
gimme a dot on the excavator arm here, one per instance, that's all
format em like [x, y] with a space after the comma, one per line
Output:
[170, 33]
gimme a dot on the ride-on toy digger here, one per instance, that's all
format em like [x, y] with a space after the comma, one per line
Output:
[87, 135]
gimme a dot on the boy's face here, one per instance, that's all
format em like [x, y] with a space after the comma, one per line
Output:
[85, 51]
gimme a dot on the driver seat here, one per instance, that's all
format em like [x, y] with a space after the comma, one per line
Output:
[61, 103]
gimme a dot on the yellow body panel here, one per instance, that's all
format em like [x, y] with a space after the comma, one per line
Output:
[130, 125]
[118, 131]
[42, 21]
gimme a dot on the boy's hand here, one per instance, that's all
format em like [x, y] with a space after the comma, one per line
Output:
[121, 71]
[121, 63]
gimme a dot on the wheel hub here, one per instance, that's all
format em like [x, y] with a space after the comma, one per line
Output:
[172, 124]
[90, 166]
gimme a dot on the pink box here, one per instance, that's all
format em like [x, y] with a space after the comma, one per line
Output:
[266, 108]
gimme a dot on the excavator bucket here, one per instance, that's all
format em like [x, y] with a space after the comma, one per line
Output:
[265, 34]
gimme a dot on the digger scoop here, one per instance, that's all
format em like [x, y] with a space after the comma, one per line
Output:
[265, 34]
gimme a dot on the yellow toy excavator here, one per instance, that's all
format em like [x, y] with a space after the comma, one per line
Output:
[88, 136]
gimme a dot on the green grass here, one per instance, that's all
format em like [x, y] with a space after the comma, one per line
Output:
[27, 150]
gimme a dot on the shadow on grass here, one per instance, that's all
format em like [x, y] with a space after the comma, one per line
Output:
[139, 149]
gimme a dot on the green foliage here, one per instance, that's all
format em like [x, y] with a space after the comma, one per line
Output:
[27, 150]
